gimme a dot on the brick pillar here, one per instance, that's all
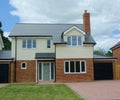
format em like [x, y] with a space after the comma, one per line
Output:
[12, 68]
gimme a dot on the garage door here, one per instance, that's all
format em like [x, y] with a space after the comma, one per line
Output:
[103, 71]
[4, 71]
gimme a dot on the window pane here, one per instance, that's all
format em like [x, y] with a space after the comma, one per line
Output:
[23, 65]
[77, 66]
[24, 43]
[34, 43]
[66, 66]
[29, 43]
[40, 71]
[79, 40]
[74, 40]
[48, 43]
[72, 66]
[52, 71]
[82, 66]
[69, 40]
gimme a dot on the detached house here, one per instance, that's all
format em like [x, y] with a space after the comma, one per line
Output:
[56, 52]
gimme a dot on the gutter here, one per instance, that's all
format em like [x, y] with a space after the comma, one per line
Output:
[15, 59]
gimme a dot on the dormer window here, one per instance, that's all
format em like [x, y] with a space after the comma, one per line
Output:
[74, 40]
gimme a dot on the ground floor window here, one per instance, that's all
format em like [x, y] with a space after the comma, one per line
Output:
[75, 67]
[23, 65]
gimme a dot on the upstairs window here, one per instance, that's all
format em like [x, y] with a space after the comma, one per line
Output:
[74, 40]
[29, 43]
[48, 43]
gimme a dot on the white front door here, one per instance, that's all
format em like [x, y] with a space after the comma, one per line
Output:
[46, 71]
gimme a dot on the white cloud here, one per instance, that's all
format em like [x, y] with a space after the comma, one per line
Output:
[6, 34]
[104, 14]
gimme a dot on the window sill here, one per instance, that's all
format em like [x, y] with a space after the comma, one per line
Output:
[76, 73]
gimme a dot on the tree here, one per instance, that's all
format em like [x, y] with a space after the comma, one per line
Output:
[100, 51]
[109, 53]
[6, 41]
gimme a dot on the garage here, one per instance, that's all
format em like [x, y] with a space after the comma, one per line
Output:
[104, 67]
[103, 71]
[5, 66]
[4, 73]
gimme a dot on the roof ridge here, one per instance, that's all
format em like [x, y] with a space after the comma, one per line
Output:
[116, 45]
[52, 23]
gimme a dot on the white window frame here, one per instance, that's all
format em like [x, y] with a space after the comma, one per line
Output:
[49, 45]
[75, 67]
[26, 43]
[22, 65]
[42, 70]
[71, 42]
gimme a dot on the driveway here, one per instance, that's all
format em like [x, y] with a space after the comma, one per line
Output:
[98, 90]
[2, 85]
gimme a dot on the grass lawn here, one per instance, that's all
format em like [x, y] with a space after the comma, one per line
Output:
[37, 92]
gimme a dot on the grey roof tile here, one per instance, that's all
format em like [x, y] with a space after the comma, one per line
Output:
[5, 55]
[95, 56]
[89, 39]
[54, 30]
[45, 56]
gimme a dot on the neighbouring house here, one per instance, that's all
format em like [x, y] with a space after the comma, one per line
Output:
[57, 52]
[5, 63]
[116, 53]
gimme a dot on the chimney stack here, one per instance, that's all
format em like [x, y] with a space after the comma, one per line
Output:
[86, 22]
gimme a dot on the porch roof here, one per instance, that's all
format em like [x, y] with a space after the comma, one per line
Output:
[45, 56]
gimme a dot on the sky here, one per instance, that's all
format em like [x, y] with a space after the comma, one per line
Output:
[105, 16]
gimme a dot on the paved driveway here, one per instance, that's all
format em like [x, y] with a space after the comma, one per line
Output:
[98, 90]
[2, 85]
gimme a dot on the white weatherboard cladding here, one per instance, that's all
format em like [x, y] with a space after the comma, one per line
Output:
[29, 54]
[85, 51]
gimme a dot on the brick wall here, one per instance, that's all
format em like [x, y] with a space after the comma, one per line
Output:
[61, 77]
[116, 53]
[26, 75]
[86, 21]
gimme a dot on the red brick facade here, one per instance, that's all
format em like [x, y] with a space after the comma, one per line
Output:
[26, 75]
[62, 77]
[116, 53]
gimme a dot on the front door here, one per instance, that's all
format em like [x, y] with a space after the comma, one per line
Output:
[46, 71]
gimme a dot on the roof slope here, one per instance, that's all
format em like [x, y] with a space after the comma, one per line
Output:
[95, 56]
[117, 45]
[5, 55]
[45, 30]
[45, 56]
